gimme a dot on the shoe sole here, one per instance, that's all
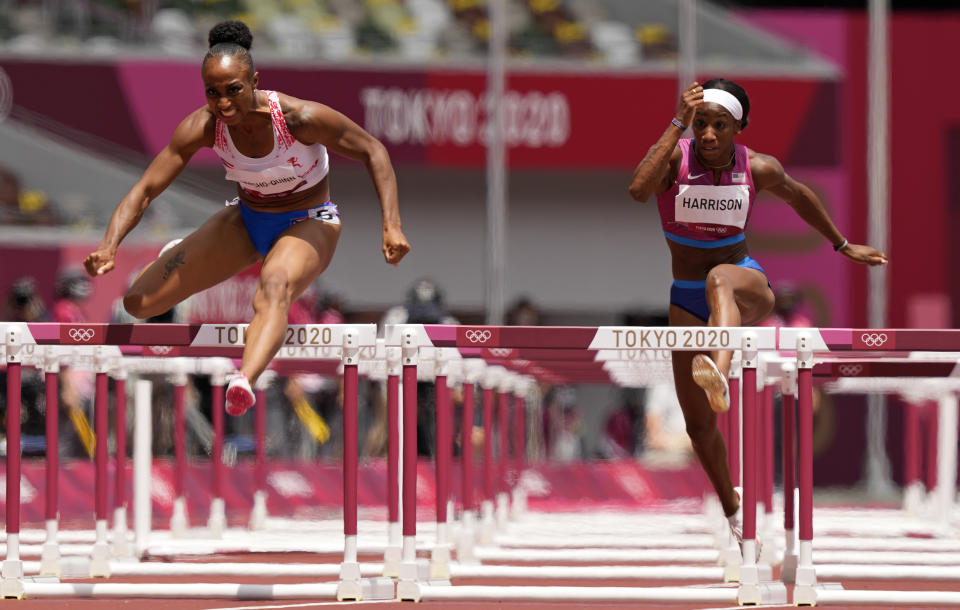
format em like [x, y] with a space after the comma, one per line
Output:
[708, 377]
[235, 398]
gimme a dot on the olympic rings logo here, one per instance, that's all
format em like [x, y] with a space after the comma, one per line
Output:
[81, 334]
[161, 350]
[500, 352]
[874, 339]
[478, 336]
[850, 370]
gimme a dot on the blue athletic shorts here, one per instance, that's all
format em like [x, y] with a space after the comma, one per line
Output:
[265, 227]
[691, 295]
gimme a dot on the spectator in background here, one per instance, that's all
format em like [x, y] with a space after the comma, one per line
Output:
[424, 305]
[23, 302]
[73, 288]
[23, 207]
[625, 426]
[523, 313]
[788, 299]
[666, 436]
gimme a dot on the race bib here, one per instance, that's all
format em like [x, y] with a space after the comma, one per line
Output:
[273, 181]
[718, 205]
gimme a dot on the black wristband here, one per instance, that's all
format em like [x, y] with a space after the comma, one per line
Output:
[841, 245]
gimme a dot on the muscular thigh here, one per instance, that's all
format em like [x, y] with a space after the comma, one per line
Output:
[751, 292]
[219, 249]
[301, 253]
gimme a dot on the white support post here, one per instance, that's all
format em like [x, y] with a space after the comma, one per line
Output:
[788, 568]
[142, 467]
[179, 520]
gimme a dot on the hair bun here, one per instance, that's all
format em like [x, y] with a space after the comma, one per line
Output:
[235, 32]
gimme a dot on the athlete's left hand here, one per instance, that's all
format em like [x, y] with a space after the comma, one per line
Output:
[864, 254]
[395, 245]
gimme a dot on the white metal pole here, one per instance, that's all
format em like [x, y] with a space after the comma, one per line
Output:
[687, 64]
[496, 163]
[878, 228]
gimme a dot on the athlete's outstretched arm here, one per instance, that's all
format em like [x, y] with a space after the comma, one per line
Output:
[189, 136]
[312, 122]
[769, 174]
[652, 175]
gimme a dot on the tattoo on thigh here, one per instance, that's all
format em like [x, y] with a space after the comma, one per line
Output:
[177, 260]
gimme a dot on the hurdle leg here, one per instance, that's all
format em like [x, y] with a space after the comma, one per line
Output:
[465, 554]
[217, 522]
[179, 523]
[408, 585]
[100, 556]
[120, 543]
[752, 591]
[11, 571]
[440, 555]
[50, 555]
[788, 388]
[258, 514]
[519, 497]
[913, 487]
[392, 555]
[804, 590]
[768, 547]
[485, 534]
[142, 466]
[349, 588]
[503, 457]
[946, 490]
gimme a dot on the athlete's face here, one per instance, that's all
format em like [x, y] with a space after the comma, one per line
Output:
[229, 88]
[714, 128]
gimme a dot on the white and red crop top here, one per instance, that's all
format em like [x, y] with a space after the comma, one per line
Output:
[290, 167]
[696, 212]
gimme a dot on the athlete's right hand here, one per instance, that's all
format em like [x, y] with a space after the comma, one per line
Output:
[99, 261]
[689, 100]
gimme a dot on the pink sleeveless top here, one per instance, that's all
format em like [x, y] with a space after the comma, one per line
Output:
[695, 212]
[290, 167]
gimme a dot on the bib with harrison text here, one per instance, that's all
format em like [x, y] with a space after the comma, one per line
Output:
[716, 205]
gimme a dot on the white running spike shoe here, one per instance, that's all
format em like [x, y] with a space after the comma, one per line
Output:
[708, 376]
[240, 396]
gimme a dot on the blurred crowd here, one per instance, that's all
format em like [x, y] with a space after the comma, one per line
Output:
[342, 29]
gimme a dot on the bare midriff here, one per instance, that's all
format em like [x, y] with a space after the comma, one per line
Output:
[692, 263]
[317, 194]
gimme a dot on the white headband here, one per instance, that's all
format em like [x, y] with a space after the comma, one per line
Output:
[725, 99]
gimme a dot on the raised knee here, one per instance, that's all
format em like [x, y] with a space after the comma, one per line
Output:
[273, 289]
[133, 302]
[717, 280]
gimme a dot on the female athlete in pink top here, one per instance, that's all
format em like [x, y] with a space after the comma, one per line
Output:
[705, 189]
[274, 147]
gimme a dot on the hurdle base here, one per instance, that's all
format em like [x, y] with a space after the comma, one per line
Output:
[408, 591]
[392, 558]
[100, 560]
[50, 560]
[352, 588]
[518, 506]
[766, 593]
[179, 525]
[440, 562]
[502, 511]
[120, 543]
[11, 579]
[486, 532]
[217, 523]
[805, 589]
[258, 516]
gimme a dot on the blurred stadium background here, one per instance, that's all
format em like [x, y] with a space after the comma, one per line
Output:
[90, 90]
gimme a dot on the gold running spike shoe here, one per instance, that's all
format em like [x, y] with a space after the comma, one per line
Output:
[708, 376]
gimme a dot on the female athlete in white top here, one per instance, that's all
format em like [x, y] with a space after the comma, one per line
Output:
[274, 147]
